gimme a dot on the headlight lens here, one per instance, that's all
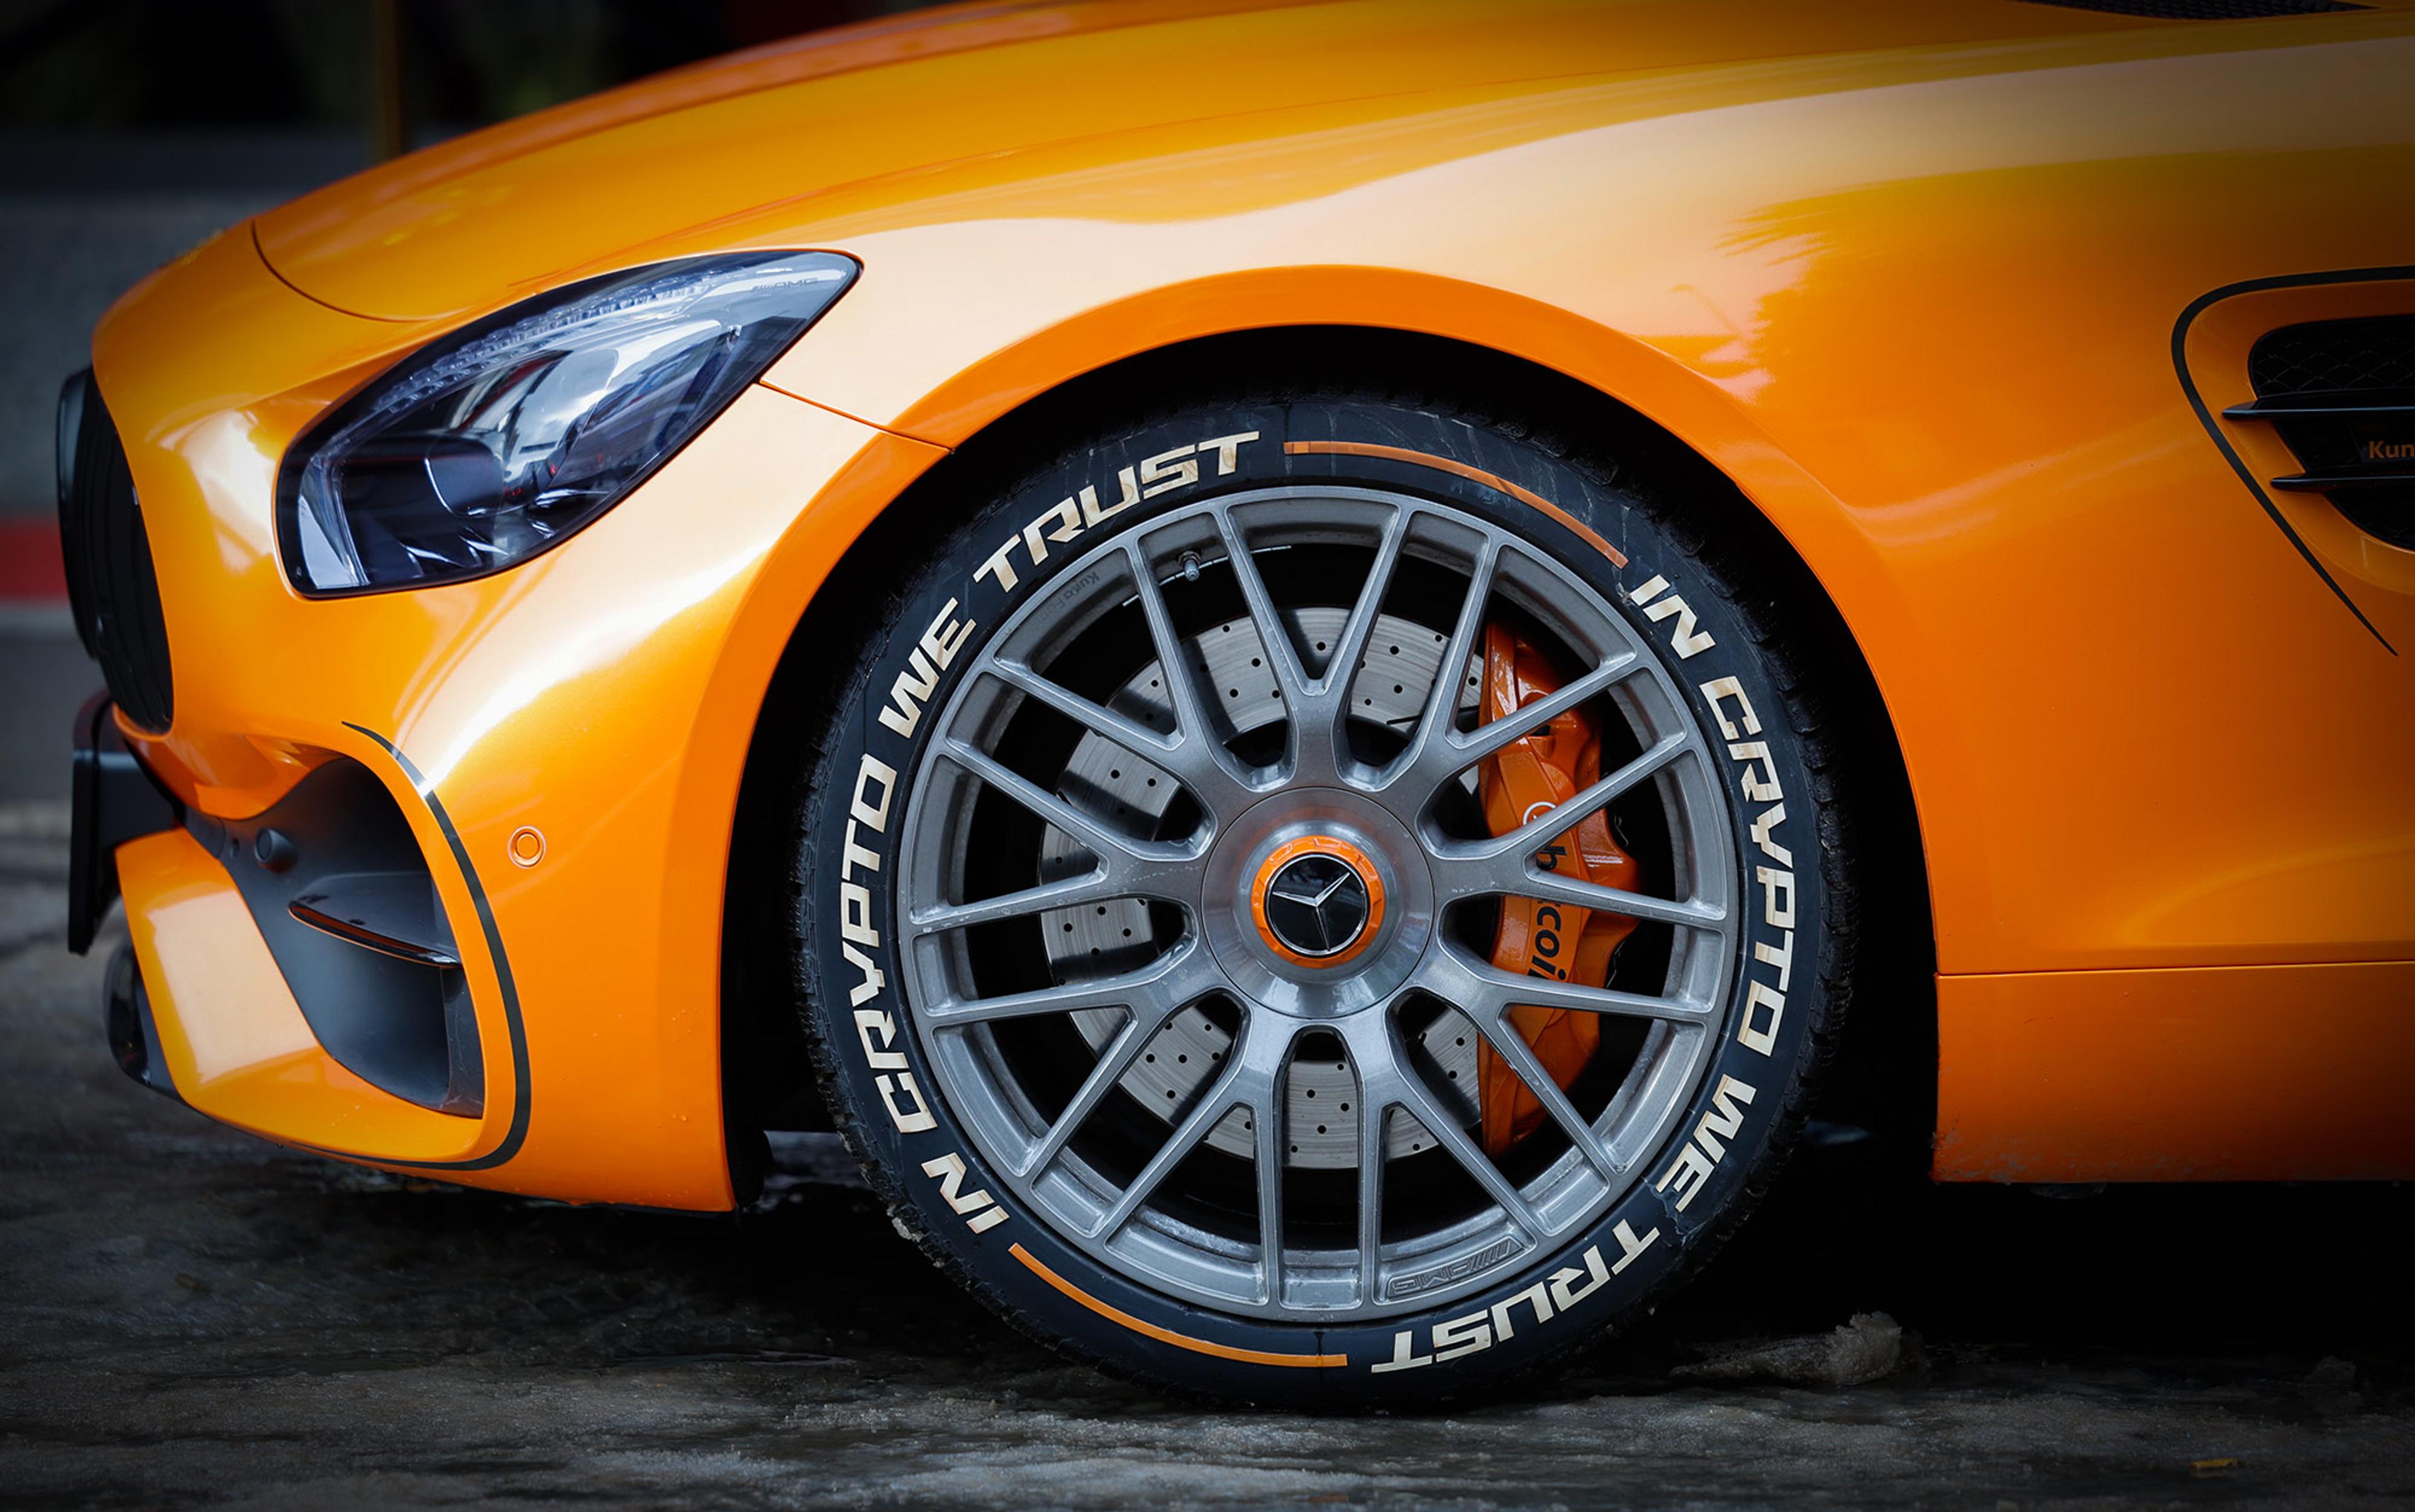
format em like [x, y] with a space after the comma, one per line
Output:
[490, 445]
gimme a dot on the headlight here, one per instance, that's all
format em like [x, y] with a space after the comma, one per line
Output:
[490, 445]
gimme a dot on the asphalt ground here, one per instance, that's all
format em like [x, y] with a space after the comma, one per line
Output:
[44, 678]
[189, 1316]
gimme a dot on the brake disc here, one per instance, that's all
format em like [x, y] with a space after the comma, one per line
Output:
[1102, 777]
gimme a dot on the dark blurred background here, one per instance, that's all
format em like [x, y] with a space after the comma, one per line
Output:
[132, 130]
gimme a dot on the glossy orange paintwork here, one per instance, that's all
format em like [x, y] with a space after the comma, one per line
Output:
[570, 697]
[1908, 272]
[2023, 1098]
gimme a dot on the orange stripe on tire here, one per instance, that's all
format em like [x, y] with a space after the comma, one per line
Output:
[1166, 1336]
[1458, 468]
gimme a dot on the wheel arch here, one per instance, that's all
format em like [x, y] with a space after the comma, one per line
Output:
[1887, 1081]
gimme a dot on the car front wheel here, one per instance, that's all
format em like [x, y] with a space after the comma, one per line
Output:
[1323, 899]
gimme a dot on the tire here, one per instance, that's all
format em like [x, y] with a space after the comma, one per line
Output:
[924, 806]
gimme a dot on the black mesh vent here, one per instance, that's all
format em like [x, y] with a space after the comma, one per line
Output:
[112, 589]
[2205, 10]
[2334, 356]
[2341, 394]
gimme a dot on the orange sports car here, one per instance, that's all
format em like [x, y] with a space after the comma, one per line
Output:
[1294, 657]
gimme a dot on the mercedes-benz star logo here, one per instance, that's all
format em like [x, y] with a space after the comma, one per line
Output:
[1318, 905]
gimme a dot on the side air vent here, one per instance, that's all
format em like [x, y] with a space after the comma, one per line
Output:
[2341, 396]
[343, 897]
[2206, 9]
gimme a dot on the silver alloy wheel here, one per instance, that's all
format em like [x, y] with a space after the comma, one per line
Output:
[1189, 970]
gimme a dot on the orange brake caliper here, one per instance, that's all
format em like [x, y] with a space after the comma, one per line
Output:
[1559, 940]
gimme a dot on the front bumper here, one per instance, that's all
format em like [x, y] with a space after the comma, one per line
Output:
[563, 745]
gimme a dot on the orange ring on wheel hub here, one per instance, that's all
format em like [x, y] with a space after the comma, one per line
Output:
[1316, 890]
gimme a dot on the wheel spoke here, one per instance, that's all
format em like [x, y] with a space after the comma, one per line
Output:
[1512, 1047]
[1389, 1080]
[1266, 1118]
[1433, 727]
[1179, 977]
[1503, 866]
[1228, 1091]
[1101, 840]
[1464, 751]
[1197, 762]
[1139, 1029]
[1131, 734]
[1372, 1152]
[1221, 774]
[1283, 655]
[1553, 823]
[1100, 884]
[1481, 987]
[1515, 876]
[1445, 1127]
[1325, 716]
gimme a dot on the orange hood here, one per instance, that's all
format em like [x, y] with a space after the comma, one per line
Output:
[585, 186]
